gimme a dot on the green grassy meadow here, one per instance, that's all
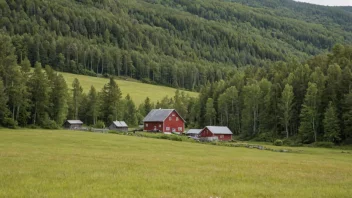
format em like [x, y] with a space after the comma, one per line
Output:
[43, 163]
[137, 90]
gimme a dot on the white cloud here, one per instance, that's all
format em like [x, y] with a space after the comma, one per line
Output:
[329, 2]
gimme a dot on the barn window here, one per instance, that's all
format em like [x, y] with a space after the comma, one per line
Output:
[221, 136]
[173, 114]
[167, 128]
[159, 125]
[170, 118]
[176, 118]
[146, 125]
[179, 128]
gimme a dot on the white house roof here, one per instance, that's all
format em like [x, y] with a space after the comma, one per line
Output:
[74, 121]
[219, 129]
[159, 115]
[120, 124]
[194, 131]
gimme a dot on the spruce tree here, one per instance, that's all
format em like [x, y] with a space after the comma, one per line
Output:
[331, 124]
[111, 98]
[130, 112]
[210, 113]
[77, 91]
[93, 106]
[147, 106]
[40, 92]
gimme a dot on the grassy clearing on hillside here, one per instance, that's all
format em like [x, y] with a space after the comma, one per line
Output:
[42, 163]
[138, 91]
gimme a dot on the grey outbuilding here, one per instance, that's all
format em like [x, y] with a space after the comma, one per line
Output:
[118, 126]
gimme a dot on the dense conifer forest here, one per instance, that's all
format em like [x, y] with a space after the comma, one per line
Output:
[267, 69]
[179, 43]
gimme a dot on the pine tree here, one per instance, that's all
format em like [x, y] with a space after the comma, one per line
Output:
[26, 65]
[93, 106]
[331, 124]
[77, 91]
[210, 113]
[180, 103]
[40, 92]
[347, 116]
[3, 103]
[111, 98]
[252, 99]
[59, 99]
[286, 105]
[309, 115]
[147, 106]
[130, 115]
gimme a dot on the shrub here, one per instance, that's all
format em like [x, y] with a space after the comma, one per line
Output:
[323, 144]
[175, 138]
[49, 124]
[10, 123]
[278, 142]
[89, 73]
[100, 124]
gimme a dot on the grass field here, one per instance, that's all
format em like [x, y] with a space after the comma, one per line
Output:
[41, 163]
[138, 91]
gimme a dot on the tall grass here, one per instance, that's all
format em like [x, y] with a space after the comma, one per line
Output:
[43, 163]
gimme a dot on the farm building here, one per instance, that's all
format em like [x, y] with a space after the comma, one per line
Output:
[164, 120]
[193, 132]
[118, 126]
[73, 124]
[218, 132]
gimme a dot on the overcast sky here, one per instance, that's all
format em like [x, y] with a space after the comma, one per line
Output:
[329, 2]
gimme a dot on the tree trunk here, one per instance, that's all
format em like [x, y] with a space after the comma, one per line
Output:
[315, 133]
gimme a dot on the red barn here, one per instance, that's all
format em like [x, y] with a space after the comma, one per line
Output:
[164, 120]
[221, 132]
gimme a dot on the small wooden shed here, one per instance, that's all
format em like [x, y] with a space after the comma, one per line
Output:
[118, 126]
[193, 132]
[73, 124]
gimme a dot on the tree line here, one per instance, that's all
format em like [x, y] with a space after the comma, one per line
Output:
[41, 97]
[306, 102]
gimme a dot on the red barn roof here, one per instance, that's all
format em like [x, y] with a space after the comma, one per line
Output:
[159, 115]
[219, 130]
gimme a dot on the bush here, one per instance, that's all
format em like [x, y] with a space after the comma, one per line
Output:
[323, 144]
[175, 138]
[10, 123]
[89, 73]
[99, 125]
[278, 142]
[49, 124]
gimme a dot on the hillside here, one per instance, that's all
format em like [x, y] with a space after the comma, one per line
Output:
[137, 90]
[180, 43]
[39, 163]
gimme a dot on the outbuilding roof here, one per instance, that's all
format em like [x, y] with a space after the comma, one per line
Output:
[159, 115]
[74, 122]
[194, 131]
[219, 129]
[120, 123]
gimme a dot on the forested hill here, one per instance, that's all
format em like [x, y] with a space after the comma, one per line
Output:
[180, 43]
